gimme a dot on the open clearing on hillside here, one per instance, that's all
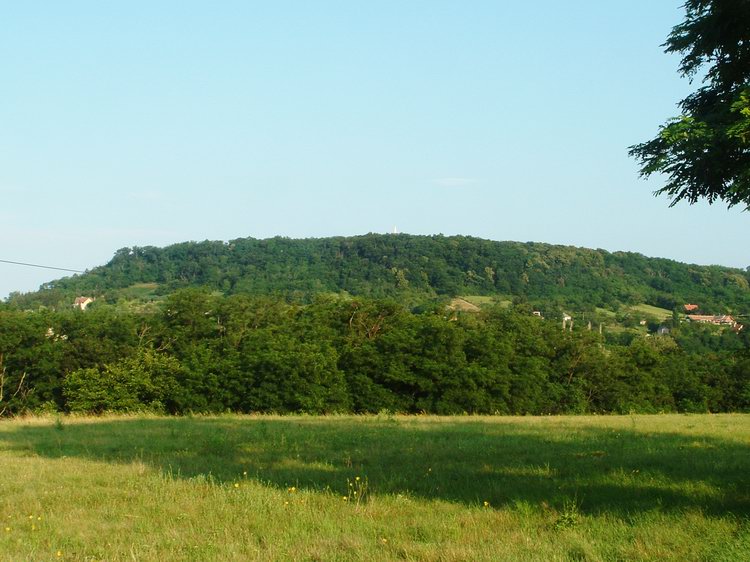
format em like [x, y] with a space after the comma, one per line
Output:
[672, 487]
[653, 311]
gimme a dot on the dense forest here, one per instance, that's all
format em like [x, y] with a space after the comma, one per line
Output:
[365, 324]
[411, 269]
[200, 352]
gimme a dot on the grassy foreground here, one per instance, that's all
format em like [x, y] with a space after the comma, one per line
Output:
[376, 488]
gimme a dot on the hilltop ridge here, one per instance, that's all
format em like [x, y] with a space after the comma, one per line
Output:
[405, 267]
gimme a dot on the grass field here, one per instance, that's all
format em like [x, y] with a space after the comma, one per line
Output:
[483, 300]
[609, 314]
[652, 311]
[144, 291]
[376, 488]
[480, 300]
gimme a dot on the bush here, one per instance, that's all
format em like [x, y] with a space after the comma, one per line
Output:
[147, 381]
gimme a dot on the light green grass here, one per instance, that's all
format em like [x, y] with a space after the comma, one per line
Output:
[273, 488]
[654, 311]
[606, 313]
[141, 291]
[140, 297]
[480, 300]
[484, 300]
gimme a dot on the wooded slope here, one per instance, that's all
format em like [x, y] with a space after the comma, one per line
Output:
[412, 269]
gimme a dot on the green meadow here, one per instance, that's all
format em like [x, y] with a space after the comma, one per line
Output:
[668, 487]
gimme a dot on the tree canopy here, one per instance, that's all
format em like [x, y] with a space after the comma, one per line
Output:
[413, 270]
[705, 152]
[202, 352]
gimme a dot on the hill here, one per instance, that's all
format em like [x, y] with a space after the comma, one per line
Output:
[362, 325]
[412, 269]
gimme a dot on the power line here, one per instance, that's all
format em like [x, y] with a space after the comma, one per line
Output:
[42, 266]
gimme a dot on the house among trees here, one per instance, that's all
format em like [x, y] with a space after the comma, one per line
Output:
[719, 320]
[82, 302]
[691, 307]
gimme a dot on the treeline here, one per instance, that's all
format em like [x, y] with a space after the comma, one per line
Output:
[205, 353]
[410, 269]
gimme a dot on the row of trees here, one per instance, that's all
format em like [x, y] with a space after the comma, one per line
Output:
[205, 353]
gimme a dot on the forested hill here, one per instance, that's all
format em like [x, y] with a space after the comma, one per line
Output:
[411, 268]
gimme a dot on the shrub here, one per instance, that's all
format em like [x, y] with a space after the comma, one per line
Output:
[147, 381]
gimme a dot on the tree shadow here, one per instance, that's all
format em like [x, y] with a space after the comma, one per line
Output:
[602, 469]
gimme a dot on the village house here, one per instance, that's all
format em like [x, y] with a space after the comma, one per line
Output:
[719, 320]
[82, 302]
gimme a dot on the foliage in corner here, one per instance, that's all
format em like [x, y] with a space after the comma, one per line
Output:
[705, 152]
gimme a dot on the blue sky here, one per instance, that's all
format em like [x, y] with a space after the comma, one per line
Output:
[149, 123]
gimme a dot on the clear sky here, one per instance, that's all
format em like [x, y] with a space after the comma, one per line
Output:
[149, 123]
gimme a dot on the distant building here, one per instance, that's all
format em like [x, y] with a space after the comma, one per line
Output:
[82, 302]
[691, 307]
[567, 318]
[537, 313]
[663, 330]
[719, 320]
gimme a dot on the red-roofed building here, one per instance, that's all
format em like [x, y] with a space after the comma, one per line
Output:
[720, 320]
[691, 307]
[82, 302]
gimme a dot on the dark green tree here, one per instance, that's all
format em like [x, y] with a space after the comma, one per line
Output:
[705, 152]
[148, 380]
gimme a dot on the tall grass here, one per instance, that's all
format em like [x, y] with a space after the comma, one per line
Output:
[375, 488]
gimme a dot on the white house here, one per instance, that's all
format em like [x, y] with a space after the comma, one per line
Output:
[82, 302]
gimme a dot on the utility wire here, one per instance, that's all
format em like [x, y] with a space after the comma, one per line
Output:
[42, 266]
